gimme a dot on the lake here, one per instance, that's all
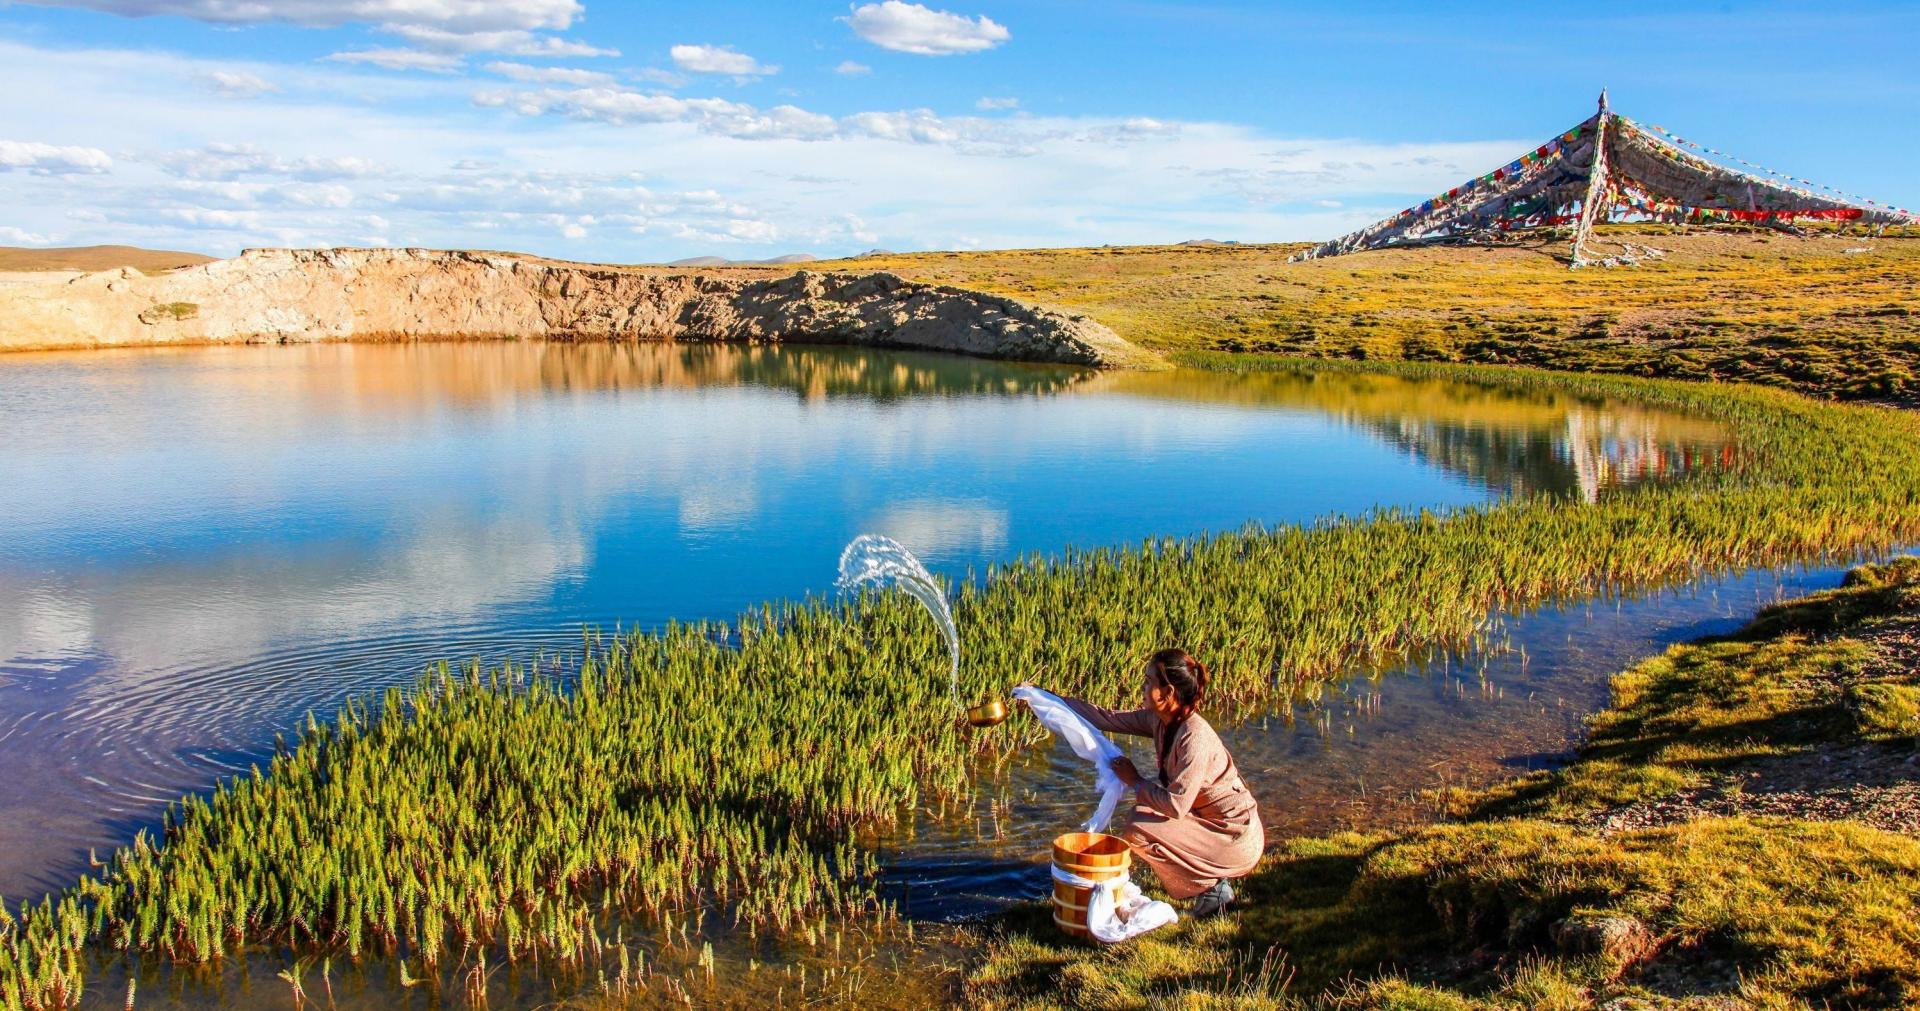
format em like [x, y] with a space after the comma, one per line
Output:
[201, 545]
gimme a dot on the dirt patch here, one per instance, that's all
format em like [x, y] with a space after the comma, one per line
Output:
[1875, 783]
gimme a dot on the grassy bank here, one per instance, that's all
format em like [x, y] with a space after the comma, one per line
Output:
[732, 774]
[1829, 315]
[1539, 897]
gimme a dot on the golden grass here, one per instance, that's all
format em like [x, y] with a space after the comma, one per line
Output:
[90, 258]
[1754, 307]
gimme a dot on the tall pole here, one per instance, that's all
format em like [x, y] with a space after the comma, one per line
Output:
[1598, 191]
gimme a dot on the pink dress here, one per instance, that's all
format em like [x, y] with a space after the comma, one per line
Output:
[1197, 823]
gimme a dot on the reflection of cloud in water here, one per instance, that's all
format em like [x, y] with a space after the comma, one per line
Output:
[935, 528]
[718, 507]
[42, 621]
[159, 624]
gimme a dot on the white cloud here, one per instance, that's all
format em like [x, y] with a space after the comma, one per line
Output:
[452, 15]
[235, 83]
[223, 161]
[549, 75]
[969, 134]
[513, 41]
[204, 218]
[664, 78]
[314, 195]
[441, 40]
[345, 167]
[849, 68]
[991, 104]
[621, 106]
[21, 237]
[1133, 130]
[549, 46]
[749, 230]
[400, 59]
[457, 26]
[914, 28]
[718, 60]
[218, 161]
[49, 159]
[720, 117]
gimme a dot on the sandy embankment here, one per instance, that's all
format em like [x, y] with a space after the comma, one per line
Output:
[294, 296]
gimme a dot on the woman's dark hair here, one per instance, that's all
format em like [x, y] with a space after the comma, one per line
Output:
[1184, 675]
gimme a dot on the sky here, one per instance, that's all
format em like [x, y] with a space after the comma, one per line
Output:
[646, 132]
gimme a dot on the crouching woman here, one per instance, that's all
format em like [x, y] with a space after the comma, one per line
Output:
[1196, 825]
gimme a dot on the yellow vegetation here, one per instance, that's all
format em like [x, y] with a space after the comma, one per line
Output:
[1832, 314]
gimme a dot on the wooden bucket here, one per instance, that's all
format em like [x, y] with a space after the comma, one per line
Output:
[1088, 855]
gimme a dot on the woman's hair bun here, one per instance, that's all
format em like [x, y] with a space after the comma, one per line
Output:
[1182, 672]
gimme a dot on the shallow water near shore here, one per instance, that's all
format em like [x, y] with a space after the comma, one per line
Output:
[207, 543]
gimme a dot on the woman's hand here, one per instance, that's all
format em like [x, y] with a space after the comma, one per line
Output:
[1022, 703]
[1123, 767]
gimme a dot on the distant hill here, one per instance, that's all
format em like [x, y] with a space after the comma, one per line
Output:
[1210, 242]
[147, 261]
[721, 261]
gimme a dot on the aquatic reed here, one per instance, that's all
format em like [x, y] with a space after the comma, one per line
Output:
[737, 772]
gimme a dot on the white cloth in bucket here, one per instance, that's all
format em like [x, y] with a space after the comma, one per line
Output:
[1086, 742]
[1118, 911]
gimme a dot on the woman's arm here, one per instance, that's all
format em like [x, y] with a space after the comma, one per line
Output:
[1138, 722]
[1188, 769]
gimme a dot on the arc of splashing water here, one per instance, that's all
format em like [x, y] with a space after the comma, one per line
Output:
[871, 558]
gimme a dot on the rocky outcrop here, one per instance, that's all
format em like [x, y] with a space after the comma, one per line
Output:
[298, 295]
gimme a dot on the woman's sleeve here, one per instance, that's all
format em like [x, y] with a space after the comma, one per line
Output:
[1190, 768]
[1137, 722]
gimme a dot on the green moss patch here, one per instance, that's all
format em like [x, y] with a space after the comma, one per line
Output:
[169, 311]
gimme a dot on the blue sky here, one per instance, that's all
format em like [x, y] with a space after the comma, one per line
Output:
[593, 130]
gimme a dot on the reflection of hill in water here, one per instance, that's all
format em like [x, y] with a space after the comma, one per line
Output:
[1516, 441]
[1519, 441]
[413, 375]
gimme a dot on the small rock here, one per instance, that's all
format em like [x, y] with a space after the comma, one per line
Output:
[1621, 940]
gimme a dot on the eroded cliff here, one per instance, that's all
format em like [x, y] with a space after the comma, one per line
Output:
[297, 295]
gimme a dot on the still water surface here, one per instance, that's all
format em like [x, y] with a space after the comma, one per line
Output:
[197, 546]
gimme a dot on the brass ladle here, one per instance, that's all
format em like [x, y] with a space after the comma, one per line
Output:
[987, 712]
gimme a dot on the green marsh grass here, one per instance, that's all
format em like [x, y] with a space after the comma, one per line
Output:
[714, 775]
